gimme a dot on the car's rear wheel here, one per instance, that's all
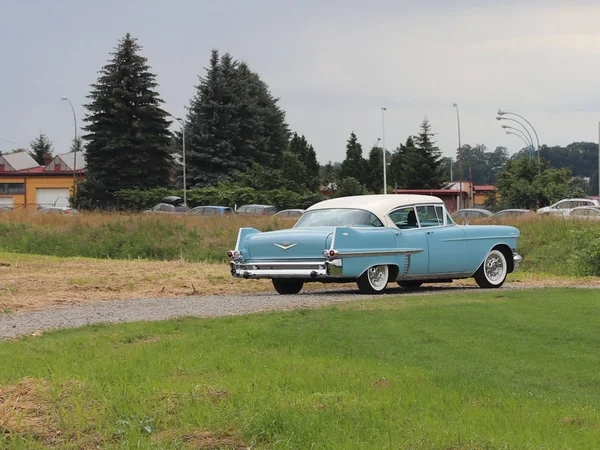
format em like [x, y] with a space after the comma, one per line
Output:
[287, 287]
[374, 280]
[492, 272]
[410, 284]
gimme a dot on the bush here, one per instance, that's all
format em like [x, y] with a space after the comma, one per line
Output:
[224, 194]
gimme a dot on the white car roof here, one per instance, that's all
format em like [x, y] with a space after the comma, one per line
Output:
[380, 205]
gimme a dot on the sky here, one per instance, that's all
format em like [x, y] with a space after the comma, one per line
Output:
[333, 64]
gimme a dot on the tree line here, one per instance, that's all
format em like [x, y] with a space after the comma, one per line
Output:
[236, 134]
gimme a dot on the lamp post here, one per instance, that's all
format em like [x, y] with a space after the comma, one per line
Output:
[181, 121]
[459, 156]
[63, 98]
[520, 133]
[383, 110]
[503, 113]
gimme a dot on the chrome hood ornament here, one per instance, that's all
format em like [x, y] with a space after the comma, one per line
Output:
[286, 245]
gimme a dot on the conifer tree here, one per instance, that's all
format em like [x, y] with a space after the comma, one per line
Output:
[233, 122]
[421, 165]
[127, 131]
[40, 146]
[354, 166]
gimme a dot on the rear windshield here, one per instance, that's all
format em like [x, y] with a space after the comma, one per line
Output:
[338, 218]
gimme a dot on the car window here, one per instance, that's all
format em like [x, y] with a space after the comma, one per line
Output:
[227, 211]
[210, 211]
[449, 220]
[429, 216]
[338, 217]
[284, 214]
[404, 218]
[585, 212]
[567, 204]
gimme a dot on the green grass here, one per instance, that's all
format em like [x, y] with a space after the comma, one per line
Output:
[486, 370]
[553, 245]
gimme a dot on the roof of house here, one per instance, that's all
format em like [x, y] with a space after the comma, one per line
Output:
[72, 161]
[20, 160]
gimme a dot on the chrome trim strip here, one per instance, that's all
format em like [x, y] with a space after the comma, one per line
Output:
[281, 273]
[436, 276]
[408, 251]
[480, 238]
[280, 265]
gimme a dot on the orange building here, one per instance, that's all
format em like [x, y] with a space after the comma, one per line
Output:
[24, 184]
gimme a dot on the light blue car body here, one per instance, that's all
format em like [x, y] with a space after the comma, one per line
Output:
[442, 252]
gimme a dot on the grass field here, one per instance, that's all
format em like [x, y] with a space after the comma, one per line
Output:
[485, 370]
[552, 245]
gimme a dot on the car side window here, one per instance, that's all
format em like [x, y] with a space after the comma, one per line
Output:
[210, 212]
[428, 216]
[404, 218]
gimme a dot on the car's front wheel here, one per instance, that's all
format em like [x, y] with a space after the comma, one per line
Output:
[374, 280]
[287, 287]
[492, 272]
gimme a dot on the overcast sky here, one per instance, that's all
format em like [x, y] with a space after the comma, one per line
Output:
[333, 64]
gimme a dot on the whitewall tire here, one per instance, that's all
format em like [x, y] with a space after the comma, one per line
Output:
[493, 271]
[374, 280]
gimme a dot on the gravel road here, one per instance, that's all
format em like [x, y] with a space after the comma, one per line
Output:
[17, 324]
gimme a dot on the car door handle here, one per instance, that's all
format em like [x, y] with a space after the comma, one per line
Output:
[429, 232]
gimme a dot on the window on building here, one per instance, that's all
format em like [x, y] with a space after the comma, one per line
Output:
[12, 188]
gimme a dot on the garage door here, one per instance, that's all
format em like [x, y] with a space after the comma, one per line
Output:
[52, 197]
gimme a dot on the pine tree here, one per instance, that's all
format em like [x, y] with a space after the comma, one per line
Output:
[354, 166]
[77, 145]
[233, 121]
[307, 175]
[421, 166]
[329, 176]
[40, 146]
[128, 133]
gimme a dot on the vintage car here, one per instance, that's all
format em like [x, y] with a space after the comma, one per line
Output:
[375, 239]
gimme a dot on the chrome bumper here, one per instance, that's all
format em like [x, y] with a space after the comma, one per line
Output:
[275, 269]
[516, 260]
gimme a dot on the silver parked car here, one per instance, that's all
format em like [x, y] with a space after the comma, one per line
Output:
[289, 214]
[256, 210]
[467, 215]
[585, 212]
[562, 208]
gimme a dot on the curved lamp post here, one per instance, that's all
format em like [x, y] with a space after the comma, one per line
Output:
[520, 136]
[504, 113]
[459, 157]
[506, 127]
[383, 110]
[63, 98]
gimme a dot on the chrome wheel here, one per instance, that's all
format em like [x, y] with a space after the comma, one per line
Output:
[374, 279]
[493, 271]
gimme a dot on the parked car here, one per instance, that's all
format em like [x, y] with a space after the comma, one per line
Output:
[463, 216]
[585, 212]
[373, 240]
[166, 208]
[62, 210]
[289, 213]
[256, 210]
[563, 207]
[210, 211]
[512, 213]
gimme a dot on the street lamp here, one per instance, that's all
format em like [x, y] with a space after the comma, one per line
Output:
[503, 113]
[181, 121]
[521, 136]
[520, 124]
[459, 156]
[506, 127]
[63, 98]
[383, 109]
